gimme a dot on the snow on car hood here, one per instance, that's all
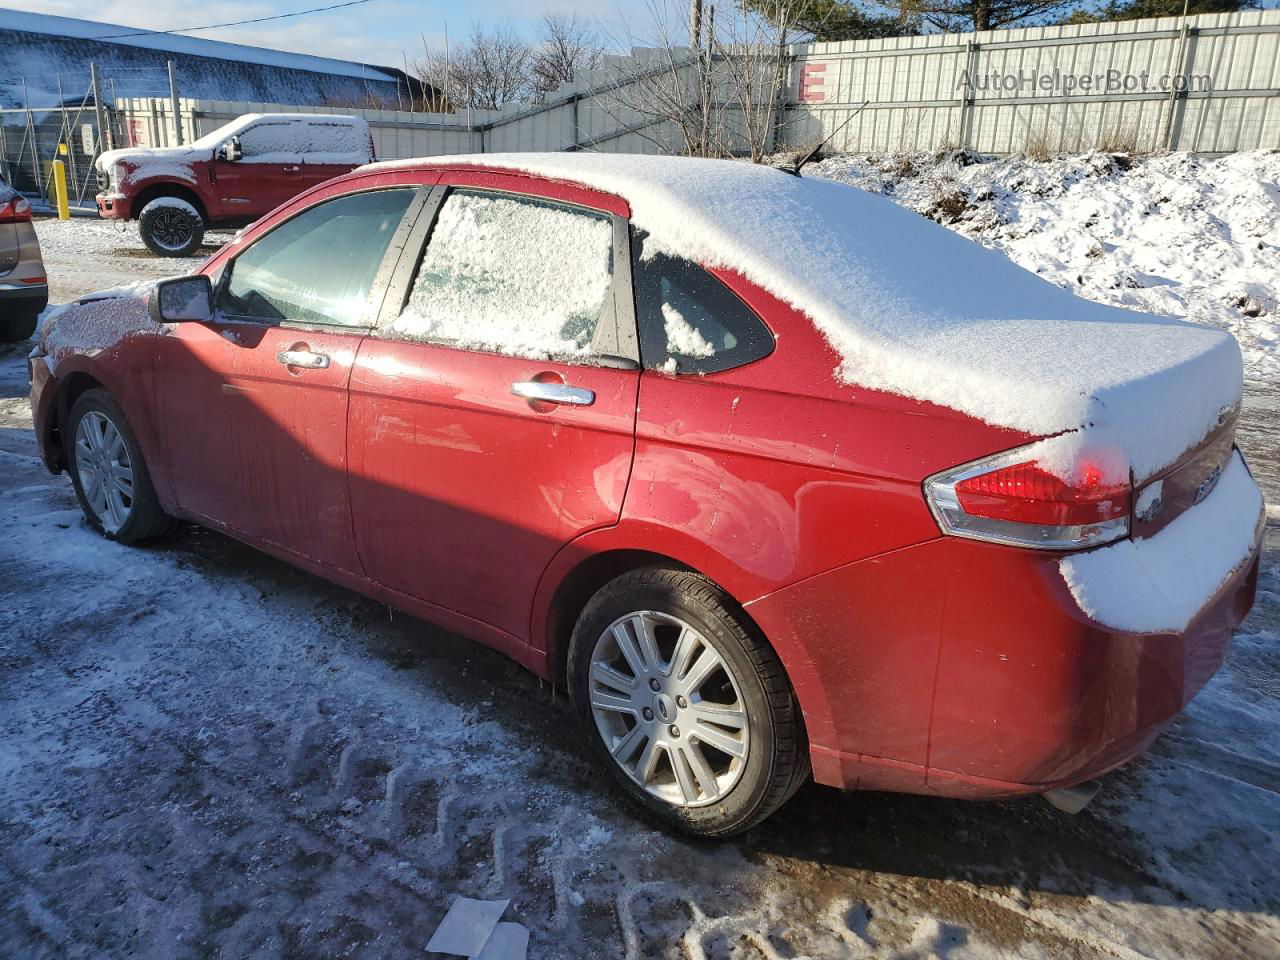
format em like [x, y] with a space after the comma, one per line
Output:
[98, 321]
[913, 309]
[176, 155]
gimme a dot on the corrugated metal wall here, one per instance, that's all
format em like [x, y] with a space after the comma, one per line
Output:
[916, 98]
[913, 89]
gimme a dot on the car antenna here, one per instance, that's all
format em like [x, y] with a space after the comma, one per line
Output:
[795, 168]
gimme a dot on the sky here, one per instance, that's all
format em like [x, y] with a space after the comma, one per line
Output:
[379, 32]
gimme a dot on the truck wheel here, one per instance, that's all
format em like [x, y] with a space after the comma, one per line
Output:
[686, 706]
[20, 327]
[171, 227]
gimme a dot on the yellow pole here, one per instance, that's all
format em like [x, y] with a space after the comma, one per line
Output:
[60, 189]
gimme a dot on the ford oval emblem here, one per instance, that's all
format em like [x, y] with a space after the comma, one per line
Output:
[1207, 485]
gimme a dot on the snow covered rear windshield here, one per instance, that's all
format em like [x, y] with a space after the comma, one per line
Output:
[513, 275]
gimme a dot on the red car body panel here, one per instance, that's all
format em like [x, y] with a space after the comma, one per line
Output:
[268, 459]
[409, 471]
[494, 484]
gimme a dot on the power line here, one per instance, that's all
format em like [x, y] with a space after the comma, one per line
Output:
[233, 23]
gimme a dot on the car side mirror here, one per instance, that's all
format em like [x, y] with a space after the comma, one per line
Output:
[231, 150]
[183, 300]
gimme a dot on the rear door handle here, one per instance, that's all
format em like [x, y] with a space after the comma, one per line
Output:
[554, 393]
[302, 358]
[293, 169]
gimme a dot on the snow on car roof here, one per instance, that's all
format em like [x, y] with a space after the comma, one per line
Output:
[914, 309]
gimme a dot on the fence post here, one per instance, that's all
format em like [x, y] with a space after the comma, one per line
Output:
[31, 134]
[104, 132]
[173, 106]
[1178, 105]
[966, 102]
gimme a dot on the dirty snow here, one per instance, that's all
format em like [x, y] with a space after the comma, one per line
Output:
[511, 277]
[206, 752]
[921, 312]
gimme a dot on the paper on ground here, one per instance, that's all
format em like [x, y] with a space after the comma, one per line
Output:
[509, 941]
[467, 926]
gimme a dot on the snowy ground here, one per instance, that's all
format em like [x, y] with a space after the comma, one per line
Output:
[204, 752]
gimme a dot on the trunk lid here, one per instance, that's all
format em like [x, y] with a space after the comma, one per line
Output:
[1171, 492]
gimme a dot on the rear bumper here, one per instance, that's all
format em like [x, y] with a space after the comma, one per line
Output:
[34, 294]
[114, 206]
[967, 670]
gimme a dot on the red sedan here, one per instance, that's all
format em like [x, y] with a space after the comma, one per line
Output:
[726, 451]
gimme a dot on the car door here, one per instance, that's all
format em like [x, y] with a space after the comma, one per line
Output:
[268, 173]
[253, 405]
[492, 415]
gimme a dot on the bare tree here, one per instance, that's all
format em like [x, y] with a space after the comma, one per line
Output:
[493, 68]
[566, 45]
[720, 98]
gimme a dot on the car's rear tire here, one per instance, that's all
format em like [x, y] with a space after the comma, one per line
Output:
[19, 326]
[109, 475]
[687, 707]
[171, 227]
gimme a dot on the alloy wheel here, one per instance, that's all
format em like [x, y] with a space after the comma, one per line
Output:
[105, 470]
[668, 708]
[171, 229]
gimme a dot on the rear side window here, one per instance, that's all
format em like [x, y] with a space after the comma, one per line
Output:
[272, 141]
[690, 322]
[331, 142]
[513, 275]
[319, 266]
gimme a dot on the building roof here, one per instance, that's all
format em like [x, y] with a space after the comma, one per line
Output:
[19, 20]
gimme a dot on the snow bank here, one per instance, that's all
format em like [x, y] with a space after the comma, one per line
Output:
[1159, 584]
[1179, 235]
[919, 311]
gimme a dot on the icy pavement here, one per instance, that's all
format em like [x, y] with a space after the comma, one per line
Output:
[204, 752]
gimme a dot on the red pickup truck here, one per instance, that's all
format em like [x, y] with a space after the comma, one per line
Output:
[227, 178]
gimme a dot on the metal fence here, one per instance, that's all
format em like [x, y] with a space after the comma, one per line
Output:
[994, 92]
[1054, 89]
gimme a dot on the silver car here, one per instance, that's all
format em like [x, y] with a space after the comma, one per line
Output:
[24, 287]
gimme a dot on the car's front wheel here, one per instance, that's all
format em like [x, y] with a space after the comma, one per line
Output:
[171, 227]
[687, 707]
[109, 475]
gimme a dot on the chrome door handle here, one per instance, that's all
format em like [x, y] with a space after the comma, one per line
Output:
[554, 393]
[302, 358]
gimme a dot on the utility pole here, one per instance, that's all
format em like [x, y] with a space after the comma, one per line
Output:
[173, 106]
[104, 132]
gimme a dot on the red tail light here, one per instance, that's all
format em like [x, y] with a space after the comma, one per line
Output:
[1012, 499]
[17, 210]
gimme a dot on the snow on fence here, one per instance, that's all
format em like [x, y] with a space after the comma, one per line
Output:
[994, 92]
